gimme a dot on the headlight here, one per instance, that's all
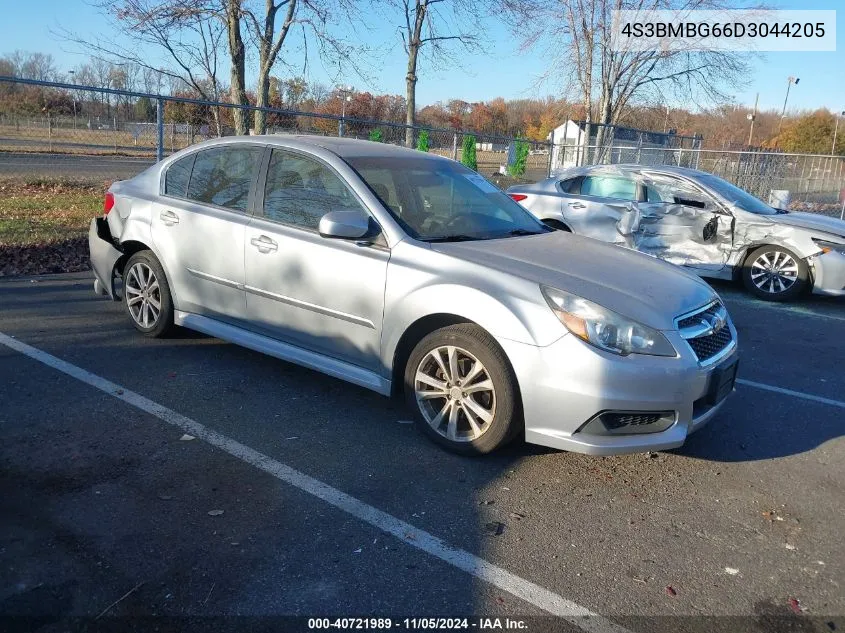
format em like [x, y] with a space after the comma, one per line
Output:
[830, 246]
[604, 328]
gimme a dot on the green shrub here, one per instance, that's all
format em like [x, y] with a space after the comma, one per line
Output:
[468, 152]
[422, 141]
[520, 159]
[377, 135]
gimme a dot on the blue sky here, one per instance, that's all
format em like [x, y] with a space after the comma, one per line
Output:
[502, 71]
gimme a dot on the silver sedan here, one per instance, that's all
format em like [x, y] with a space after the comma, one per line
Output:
[404, 272]
[698, 220]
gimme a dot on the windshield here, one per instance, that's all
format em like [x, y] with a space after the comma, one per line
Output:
[742, 199]
[439, 200]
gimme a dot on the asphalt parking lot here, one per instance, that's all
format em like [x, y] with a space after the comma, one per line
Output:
[304, 496]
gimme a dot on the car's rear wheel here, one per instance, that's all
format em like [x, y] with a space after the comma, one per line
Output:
[146, 295]
[775, 273]
[462, 390]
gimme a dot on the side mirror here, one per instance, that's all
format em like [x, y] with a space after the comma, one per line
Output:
[345, 225]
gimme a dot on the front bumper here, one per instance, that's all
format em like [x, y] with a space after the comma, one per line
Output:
[829, 274]
[103, 256]
[569, 382]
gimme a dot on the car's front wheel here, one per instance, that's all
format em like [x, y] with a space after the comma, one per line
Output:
[462, 390]
[146, 295]
[775, 273]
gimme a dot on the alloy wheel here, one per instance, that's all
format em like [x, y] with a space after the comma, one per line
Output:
[143, 295]
[774, 272]
[455, 393]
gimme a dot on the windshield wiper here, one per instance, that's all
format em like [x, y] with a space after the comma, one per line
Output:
[517, 232]
[453, 238]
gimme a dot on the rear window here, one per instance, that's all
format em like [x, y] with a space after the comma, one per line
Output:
[177, 176]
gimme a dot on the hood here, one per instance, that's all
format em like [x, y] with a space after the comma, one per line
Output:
[813, 222]
[635, 285]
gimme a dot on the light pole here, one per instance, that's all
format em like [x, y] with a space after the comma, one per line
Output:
[72, 74]
[789, 81]
[752, 117]
[835, 131]
[346, 96]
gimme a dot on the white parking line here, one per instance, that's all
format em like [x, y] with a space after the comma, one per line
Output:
[790, 392]
[414, 537]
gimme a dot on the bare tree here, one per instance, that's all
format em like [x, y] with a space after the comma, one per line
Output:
[271, 23]
[576, 37]
[181, 29]
[428, 29]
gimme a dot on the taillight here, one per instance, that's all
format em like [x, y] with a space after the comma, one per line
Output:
[108, 203]
[518, 197]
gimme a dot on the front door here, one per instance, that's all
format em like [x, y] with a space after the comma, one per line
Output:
[325, 295]
[683, 225]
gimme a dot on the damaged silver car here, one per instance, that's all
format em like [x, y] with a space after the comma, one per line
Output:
[696, 220]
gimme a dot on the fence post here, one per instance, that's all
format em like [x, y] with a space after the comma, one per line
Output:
[549, 162]
[49, 132]
[159, 129]
[454, 146]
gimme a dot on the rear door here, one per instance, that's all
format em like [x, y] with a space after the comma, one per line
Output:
[594, 205]
[198, 227]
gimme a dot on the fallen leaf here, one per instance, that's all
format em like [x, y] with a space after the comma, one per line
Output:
[670, 591]
[495, 528]
[795, 605]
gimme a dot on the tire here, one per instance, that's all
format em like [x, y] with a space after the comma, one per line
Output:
[775, 273]
[151, 290]
[472, 409]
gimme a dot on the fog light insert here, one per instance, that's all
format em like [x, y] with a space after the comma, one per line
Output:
[628, 422]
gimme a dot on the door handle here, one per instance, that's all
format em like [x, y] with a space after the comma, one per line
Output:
[169, 218]
[264, 244]
[577, 205]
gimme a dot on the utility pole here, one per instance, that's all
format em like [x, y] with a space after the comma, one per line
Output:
[752, 117]
[835, 131]
[789, 81]
[345, 97]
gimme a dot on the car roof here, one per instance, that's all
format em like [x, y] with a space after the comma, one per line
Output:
[630, 167]
[341, 146]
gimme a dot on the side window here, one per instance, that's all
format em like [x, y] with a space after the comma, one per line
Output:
[222, 176]
[177, 176]
[571, 185]
[299, 191]
[653, 194]
[609, 187]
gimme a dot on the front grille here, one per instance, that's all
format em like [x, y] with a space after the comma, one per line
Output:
[698, 330]
[694, 319]
[706, 347]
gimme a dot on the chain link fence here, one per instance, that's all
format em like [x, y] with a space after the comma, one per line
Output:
[814, 182]
[97, 135]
